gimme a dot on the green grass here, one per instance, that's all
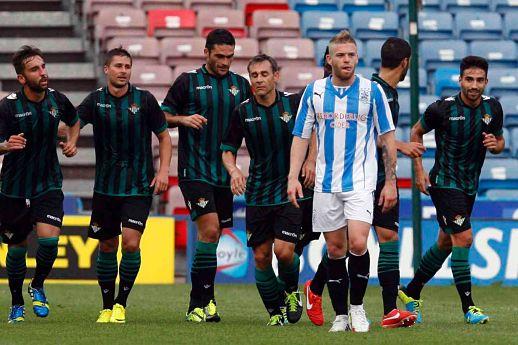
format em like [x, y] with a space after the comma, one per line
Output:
[155, 315]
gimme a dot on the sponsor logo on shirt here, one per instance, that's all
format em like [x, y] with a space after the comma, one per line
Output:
[54, 218]
[20, 115]
[457, 118]
[102, 105]
[290, 234]
[253, 119]
[133, 221]
[204, 87]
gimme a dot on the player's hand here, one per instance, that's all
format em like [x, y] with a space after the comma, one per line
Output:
[68, 149]
[308, 173]
[194, 121]
[422, 181]
[237, 182]
[388, 197]
[160, 182]
[294, 191]
[489, 141]
[413, 149]
[16, 142]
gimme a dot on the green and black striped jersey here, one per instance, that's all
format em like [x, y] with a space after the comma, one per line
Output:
[392, 99]
[458, 135]
[267, 132]
[34, 170]
[199, 92]
[122, 129]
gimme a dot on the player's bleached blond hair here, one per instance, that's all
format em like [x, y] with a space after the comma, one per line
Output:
[342, 37]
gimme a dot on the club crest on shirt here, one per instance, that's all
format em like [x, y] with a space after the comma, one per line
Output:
[233, 90]
[54, 112]
[459, 220]
[286, 117]
[202, 202]
[365, 95]
[487, 119]
[134, 109]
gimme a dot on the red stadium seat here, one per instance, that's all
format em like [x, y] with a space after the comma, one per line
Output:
[182, 50]
[143, 50]
[250, 6]
[232, 20]
[297, 52]
[197, 5]
[148, 5]
[246, 48]
[156, 79]
[171, 23]
[269, 24]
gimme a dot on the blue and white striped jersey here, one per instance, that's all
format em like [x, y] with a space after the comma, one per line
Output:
[345, 119]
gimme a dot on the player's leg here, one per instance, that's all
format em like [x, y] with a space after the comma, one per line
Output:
[15, 226]
[47, 212]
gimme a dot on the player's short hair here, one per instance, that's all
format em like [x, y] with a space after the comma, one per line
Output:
[473, 61]
[393, 51]
[342, 37]
[219, 36]
[328, 70]
[20, 57]
[119, 51]
[263, 57]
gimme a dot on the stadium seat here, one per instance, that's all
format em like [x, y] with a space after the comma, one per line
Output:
[442, 53]
[510, 108]
[148, 5]
[455, 6]
[182, 68]
[351, 6]
[435, 26]
[298, 52]
[404, 86]
[171, 23]
[446, 81]
[143, 50]
[302, 6]
[92, 7]
[120, 22]
[365, 72]
[500, 54]
[293, 79]
[499, 173]
[156, 79]
[511, 26]
[246, 48]
[250, 6]
[232, 20]
[182, 50]
[403, 133]
[502, 82]
[372, 55]
[404, 107]
[319, 24]
[401, 6]
[514, 142]
[36, 23]
[268, 24]
[374, 25]
[56, 48]
[478, 26]
[505, 6]
[197, 5]
[321, 45]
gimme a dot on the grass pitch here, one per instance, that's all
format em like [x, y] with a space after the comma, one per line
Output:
[155, 315]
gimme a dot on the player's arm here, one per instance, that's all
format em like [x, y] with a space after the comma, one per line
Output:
[494, 141]
[309, 166]
[302, 131]
[174, 103]
[165, 150]
[9, 143]
[69, 147]
[229, 146]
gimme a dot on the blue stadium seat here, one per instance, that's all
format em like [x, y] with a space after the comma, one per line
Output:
[351, 6]
[401, 6]
[373, 53]
[446, 81]
[374, 25]
[454, 6]
[321, 45]
[403, 87]
[320, 24]
[510, 108]
[505, 6]
[502, 82]
[404, 107]
[435, 26]
[443, 53]
[314, 5]
[478, 26]
[499, 173]
[366, 72]
[403, 133]
[500, 54]
[514, 142]
[511, 26]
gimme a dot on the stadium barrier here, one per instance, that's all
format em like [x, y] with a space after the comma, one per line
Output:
[493, 257]
[77, 253]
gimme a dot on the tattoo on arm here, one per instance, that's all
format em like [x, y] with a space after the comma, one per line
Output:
[390, 164]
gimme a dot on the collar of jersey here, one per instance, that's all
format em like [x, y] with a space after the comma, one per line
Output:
[277, 99]
[459, 99]
[22, 93]
[376, 77]
[130, 90]
[331, 87]
[206, 71]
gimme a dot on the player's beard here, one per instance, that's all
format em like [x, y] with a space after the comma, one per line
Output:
[403, 74]
[35, 86]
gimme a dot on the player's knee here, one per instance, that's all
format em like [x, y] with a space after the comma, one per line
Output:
[210, 234]
[262, 259]
[131, 246]
[109, 246]
[284, 254]
[444, 244]
[336, 250]
[387, 236]
[357, 246]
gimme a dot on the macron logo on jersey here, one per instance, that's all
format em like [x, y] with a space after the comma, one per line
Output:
[101, 105]
[204, 87]
[20, 115]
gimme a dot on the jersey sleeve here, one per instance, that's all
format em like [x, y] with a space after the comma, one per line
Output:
[177, 95]
[305, 115]
[4, 111]
[496, 129]
[70, 116]
[85, 110]
[155, 115]
[381, 111]
[431, 118]
[234, 136]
